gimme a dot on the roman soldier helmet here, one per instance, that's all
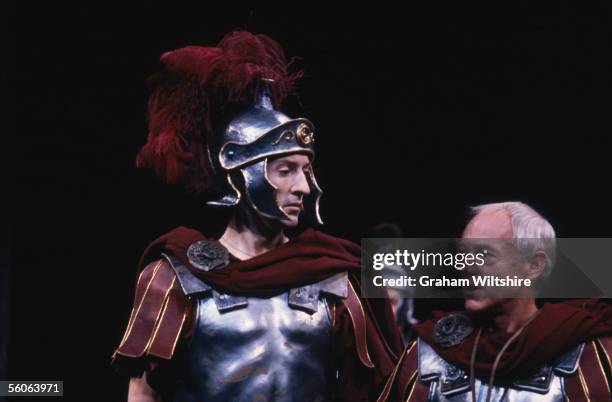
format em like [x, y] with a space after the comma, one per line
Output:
[214, 123]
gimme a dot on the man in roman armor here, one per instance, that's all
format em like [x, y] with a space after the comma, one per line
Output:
[506, 348]
[254, 315]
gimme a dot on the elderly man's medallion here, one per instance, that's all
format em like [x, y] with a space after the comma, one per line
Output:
[452, 330]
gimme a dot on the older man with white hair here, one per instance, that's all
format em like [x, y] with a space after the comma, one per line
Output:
[504, 348]
[518, 241]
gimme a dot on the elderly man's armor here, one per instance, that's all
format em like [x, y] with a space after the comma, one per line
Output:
[449, 383]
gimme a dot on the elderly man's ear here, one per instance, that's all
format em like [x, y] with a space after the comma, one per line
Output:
[537, 265]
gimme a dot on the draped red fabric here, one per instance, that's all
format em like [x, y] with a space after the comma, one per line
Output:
[307, 258]
[557, 328]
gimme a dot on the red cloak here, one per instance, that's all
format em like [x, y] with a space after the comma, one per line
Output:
[557, 328]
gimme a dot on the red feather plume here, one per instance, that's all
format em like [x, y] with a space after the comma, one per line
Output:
[196, 83]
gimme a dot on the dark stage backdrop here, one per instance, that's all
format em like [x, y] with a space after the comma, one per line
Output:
[419, 113]
[7, 115]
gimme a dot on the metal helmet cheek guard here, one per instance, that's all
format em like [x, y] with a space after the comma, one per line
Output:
[248, 141]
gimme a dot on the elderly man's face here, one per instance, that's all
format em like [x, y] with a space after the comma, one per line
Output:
[492, 231]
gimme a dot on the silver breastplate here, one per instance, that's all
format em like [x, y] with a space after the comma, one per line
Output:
[268, 349]
[449, 383]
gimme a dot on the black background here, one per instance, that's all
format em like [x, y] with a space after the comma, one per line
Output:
[419, 114]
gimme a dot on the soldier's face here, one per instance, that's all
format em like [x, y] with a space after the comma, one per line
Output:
[289, 174]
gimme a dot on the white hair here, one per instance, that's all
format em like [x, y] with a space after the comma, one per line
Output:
[530, 231]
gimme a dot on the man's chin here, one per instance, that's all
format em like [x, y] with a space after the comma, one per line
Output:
[478, 305]
[290, 223]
